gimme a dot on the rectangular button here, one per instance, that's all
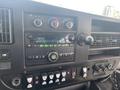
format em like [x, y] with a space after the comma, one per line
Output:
[5, 65]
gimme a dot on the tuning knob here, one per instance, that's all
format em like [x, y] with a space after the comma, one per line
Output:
[53, 56]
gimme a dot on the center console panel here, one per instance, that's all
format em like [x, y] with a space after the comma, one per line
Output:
[48, 47]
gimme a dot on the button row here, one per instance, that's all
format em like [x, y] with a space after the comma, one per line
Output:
[66, 54]
[50, 45]
[46, 79]
[43, 56]
[35, 57]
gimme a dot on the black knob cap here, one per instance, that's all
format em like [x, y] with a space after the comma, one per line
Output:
[82, 38]
[53, 56]
[69, 24]
[71, 38]
[89, 40]
[54, 23]
[38, 22]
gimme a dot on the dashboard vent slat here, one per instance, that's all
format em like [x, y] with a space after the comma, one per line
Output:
[5, 26]
[106, 40]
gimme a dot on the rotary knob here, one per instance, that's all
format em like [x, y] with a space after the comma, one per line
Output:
[53, 56]
[89, 40]
[82, 38]
[69, 24]
[54, 23]
[38, 22]
[71, 38]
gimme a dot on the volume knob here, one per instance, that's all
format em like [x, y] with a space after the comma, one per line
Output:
[53, 56]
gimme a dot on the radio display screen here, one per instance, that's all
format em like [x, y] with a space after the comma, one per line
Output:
[51, 38]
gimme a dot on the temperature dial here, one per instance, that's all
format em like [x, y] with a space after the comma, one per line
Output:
[38, 22]
[53, 56]
[69, 24]
[54, 23]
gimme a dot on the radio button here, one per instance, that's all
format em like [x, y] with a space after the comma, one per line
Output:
[53, 56]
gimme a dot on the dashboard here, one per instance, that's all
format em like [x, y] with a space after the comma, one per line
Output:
[47, 47]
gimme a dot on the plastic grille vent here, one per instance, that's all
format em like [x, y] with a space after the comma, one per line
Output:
[5, 26]
[106, 40]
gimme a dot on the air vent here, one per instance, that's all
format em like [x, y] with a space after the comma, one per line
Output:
[106, 40]
[5, 26]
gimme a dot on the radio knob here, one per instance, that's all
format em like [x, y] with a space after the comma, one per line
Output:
[71, 38]
[69, 24]
[38, 22]
[53, 56]
[54, 23]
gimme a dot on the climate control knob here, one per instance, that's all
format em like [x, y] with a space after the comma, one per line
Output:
[69, 24]
[54, 23]
[38, 22]
[53, 56]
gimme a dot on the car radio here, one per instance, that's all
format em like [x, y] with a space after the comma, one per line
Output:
[40, 49]
[49, 39]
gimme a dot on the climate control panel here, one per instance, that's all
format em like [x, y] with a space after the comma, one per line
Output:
[49, 22]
